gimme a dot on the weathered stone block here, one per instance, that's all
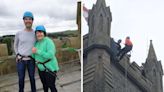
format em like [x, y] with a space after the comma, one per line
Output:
[3, 50]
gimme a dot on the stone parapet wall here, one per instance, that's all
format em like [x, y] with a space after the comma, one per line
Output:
[134, 73]
[7, 65]
[3, 50]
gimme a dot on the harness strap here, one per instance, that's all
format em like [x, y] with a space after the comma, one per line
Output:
[23, 57]
[51, 72]
[44, 62]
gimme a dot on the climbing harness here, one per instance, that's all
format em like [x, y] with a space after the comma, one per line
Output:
[47, 69]
[22, 57]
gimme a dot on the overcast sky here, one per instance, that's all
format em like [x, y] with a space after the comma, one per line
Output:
[55, 15]
[142, 20]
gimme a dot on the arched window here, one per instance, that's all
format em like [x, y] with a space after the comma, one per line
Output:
[154, 72]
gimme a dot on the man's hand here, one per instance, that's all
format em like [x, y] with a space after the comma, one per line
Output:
[34, 50]
[17, 59]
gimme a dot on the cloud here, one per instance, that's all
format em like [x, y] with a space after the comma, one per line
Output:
[57, 13]
[3, 10]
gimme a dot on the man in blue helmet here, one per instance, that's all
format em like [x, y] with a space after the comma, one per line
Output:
[23, 43]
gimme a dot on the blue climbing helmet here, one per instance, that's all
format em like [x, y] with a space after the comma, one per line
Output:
[28, 14]
[40, 28]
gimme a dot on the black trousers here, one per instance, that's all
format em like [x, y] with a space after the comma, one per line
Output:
[48, 81]
[123, 51]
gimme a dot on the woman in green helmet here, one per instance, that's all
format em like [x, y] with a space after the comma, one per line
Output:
[44, 55]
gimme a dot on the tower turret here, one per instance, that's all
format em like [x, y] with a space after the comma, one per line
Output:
[153, 70]
[99, 22]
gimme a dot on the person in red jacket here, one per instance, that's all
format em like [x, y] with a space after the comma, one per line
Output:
[128, 47]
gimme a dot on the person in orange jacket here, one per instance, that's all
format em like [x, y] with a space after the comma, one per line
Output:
[128, 47]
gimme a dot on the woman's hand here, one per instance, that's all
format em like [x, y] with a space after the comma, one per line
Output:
[34, 50]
